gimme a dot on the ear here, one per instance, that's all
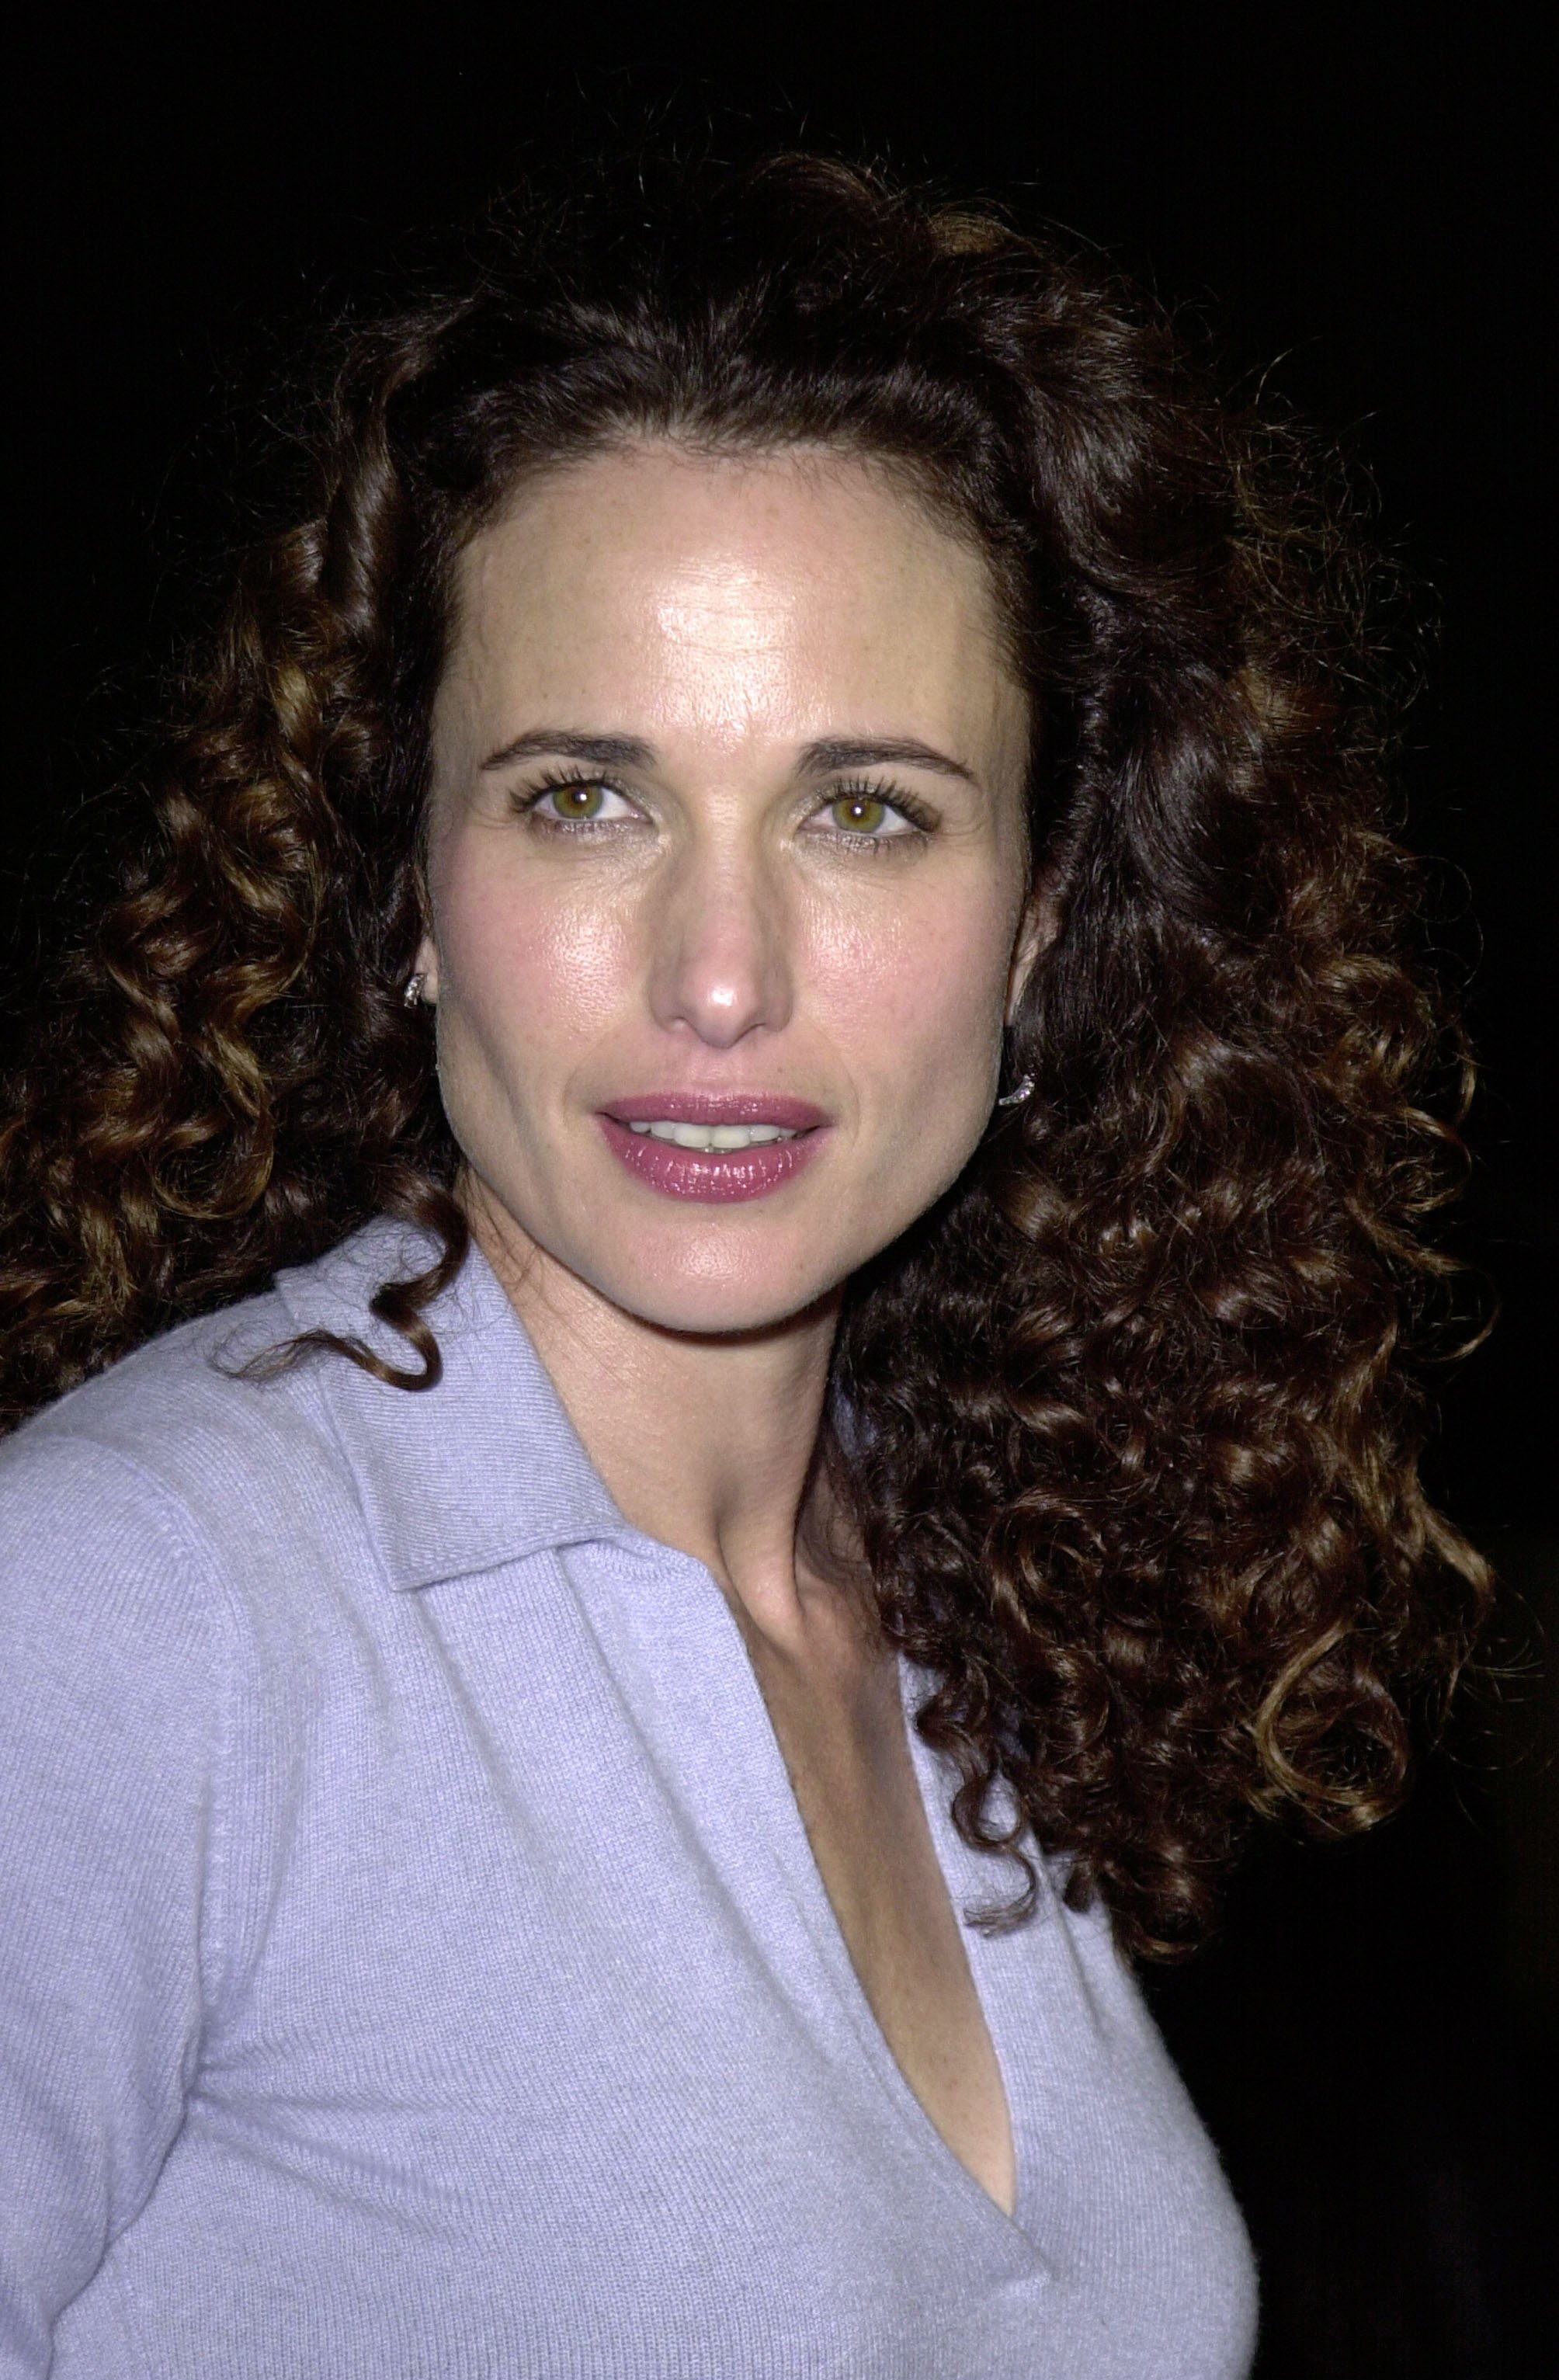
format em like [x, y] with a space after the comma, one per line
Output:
[426, 963]
[1037, 931]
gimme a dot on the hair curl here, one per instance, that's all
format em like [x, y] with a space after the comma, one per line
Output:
[1133, 1442]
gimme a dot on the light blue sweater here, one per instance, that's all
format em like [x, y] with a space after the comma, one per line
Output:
[413, 1962]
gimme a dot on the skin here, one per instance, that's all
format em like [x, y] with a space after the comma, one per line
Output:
[719, 927]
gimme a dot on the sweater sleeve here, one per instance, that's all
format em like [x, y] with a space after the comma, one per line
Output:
[111, 1683]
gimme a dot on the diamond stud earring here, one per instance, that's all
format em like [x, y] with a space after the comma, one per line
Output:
[1015, 1098]
[412, 991]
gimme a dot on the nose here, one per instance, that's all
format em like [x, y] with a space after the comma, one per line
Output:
[720, 965]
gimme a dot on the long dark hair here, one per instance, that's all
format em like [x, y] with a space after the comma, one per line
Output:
[1134, 1434]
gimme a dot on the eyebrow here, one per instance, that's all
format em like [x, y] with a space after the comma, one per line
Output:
[823, 757]
[834, 753]
[571, 744]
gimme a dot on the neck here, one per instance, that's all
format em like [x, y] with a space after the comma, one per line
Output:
[709, 1442]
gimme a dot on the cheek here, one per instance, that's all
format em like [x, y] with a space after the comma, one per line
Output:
[919, 1001]
[522, 970]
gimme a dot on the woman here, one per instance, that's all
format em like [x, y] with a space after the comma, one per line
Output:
[772, 919]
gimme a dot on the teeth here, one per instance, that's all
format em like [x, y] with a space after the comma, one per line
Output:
[715, 1136]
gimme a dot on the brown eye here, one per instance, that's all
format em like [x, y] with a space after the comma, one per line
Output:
[577, 801]
[858, 813]
[580, 802]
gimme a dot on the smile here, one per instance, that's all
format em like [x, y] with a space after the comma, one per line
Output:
[716, 1148]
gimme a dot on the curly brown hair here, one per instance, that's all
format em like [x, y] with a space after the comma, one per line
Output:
[1132, 1434]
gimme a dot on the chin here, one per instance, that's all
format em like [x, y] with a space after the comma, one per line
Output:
[677, 1299]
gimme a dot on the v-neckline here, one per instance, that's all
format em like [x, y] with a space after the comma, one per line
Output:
[714, 1685]
[1000, 1967]
[962, 1886]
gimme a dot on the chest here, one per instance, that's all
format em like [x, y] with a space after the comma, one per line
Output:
[543, 1934]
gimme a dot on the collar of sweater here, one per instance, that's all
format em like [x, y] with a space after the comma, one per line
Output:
[479, 1470]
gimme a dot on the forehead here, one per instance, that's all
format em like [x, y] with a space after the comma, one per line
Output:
[790, 593]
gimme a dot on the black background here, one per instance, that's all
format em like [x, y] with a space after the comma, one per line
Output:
[1347, 203]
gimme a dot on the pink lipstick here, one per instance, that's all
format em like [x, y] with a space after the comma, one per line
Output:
[766, 1139]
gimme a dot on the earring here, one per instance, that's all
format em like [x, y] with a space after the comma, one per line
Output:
[1015, 1098]
[413, 993]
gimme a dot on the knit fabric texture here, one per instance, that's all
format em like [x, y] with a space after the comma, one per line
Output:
[413, 1963]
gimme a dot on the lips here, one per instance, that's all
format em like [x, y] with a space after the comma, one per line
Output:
[717, 1106]
[717, 1176]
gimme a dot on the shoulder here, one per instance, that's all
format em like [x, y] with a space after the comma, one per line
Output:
[201, 1431]
[174, 1440]
[193, 1476]
[319, 1484]
[133, 1512]
[178, 1540]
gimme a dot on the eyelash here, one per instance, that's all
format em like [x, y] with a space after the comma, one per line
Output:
[921, 821]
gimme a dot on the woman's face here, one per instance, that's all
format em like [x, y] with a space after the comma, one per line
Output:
[726, 836]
